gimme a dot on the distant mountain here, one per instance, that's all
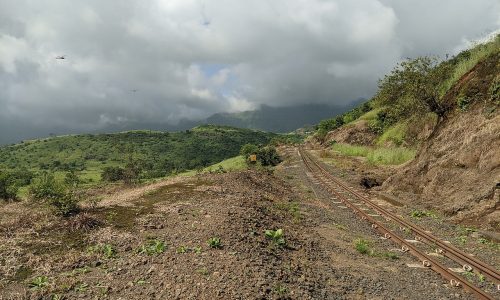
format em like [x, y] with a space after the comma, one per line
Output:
[280, 119]
[267, 118]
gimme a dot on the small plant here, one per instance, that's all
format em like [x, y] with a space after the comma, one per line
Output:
[82, 287]
[277, 236]
[214, 242]
[153, 247]
[483, 241]
[107, 250]
[340, 226]
[363, 247]
[202, 271]
[418, 214]
[197, 249]
[182, 249]
[39, 282]
[463, 103]
[390, 255]
[280, 289]
[462, 239]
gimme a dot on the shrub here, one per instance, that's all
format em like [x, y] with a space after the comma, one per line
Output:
[55, 194]
[8, 189]
[113, 174]
[46, 187]
[248, 149]
[71, 179]
[268, 156]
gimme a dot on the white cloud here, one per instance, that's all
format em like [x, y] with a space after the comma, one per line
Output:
[192, 58]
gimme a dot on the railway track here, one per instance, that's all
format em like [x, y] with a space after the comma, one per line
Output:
[355, 200]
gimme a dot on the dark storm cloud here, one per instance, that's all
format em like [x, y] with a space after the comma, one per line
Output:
[154, 62]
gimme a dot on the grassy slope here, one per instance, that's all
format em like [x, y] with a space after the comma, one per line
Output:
[397, 134]
[199, 147]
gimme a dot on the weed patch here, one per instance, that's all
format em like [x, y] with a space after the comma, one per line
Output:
[276, 236]
[214, 243]
[377, 156]
[152, 247]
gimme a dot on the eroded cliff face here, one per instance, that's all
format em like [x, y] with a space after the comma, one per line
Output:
[457, 168]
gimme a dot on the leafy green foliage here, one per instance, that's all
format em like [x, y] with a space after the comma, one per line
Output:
[249, 149]
[268, 156]
[113, 174]
[413, 87]
[46, 187]
[276, 236]
[331, 124]
[153, 247]
[418, 214]
[156, 153]
[182, 249]
[48, 190]
[214, 242]
[8, 189]
[39, 282]
[363, 246]
[107, 250]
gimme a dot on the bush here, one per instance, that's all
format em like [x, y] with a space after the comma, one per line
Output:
[248, 149]
[268, 156]
[55, 194]
[46, 187]
[113, 174]
[8, 189]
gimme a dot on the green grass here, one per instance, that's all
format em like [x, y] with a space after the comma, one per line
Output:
[477, 54]
[363, 246]
[351, 150]
[236, 163]
[377, 155]
[371, 115]
[395, 134]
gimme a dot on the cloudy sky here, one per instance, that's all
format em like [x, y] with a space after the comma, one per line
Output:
[159, 61]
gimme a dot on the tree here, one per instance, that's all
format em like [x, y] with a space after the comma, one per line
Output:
[413, 86]
[248, 149]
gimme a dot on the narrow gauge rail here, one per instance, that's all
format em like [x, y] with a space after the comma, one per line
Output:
[468, 262]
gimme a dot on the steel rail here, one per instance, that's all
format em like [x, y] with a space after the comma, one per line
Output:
[448, 250]
[427, 261]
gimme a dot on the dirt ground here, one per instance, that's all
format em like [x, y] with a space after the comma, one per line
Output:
[151, 243]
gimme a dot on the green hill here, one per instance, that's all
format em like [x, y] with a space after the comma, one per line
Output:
[156, 153]
[416, 97]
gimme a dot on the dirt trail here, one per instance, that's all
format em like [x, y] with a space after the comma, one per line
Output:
[126, 196]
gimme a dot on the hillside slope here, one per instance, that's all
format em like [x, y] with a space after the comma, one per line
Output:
[457, 169]
[157, 153]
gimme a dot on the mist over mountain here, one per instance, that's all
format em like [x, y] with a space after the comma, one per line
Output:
[279, 119]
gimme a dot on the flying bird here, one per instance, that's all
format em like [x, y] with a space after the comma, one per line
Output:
[61, 57]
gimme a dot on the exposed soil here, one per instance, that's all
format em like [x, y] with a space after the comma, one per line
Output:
[357, 133]
[318, 261]
[457, 170]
